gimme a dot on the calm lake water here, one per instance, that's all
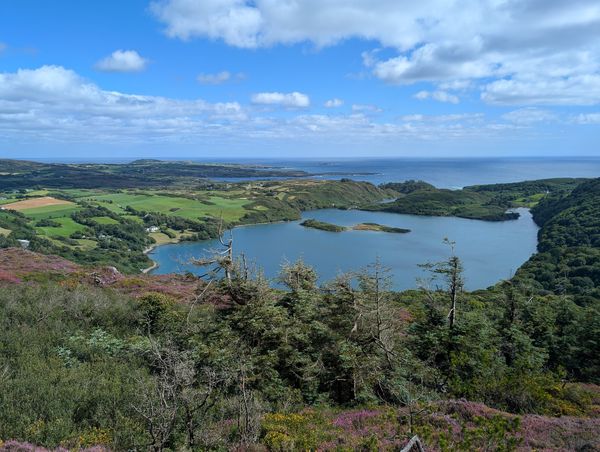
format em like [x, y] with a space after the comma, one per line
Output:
[490, 251]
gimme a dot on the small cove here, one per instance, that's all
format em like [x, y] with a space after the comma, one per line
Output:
[490, 251]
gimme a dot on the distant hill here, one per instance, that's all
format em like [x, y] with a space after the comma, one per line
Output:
[144, 173]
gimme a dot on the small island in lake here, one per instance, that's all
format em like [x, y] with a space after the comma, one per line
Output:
[379, 227]
[322, 225]
[330, 227]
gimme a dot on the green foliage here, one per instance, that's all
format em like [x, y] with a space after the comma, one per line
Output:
[154, 309]
[496, 433]
[295, 431]
[323, 226]
[483, 202]
[408, 186]
[442, 202]
[82, 365]
[569, 244]
[379, 227]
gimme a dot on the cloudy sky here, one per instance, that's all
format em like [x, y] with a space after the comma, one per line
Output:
[299, 78]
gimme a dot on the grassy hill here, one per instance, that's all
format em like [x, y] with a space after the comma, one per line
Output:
[482, 202]
[568, 260]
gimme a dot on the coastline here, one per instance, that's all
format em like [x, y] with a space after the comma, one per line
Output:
[154, 263]
[151, 248]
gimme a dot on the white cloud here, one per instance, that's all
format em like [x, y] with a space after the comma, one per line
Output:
[333, 103]
[509, 46]
[53, 105]
[464, 118]
[440, 96]
[230, 20]
[122, 61]
[587, 118]
[438, 62]
[530, 115]
[576, 90]
[57, 104]
[214, 79]
[456, 85]
[289, 100]
[366, 108]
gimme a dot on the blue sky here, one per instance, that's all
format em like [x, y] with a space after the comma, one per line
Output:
[299, 78]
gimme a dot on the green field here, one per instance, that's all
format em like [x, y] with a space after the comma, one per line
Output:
[87, 244]
[68, 226]
[37, 193]
[530, 201]
[133, 218]
[105, 220]
[4, 231]
[229, 209]
[82, 193]
[58, 211]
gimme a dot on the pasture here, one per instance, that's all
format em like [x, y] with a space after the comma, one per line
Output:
[105, 220]
[215, 206]
[66, 228]
[51, 211]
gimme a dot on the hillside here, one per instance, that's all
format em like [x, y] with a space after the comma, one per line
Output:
[569, 244]
[115, 227]
[482, 202]
[146, 173]
[242, 365]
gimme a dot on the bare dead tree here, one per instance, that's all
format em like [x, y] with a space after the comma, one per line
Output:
[237, 274]
[452, 272]
[375, 311]
[221, 260]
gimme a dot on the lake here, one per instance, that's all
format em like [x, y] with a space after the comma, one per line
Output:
[490, 251]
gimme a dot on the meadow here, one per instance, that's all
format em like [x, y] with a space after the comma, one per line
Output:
[193, 209]
[67, 227]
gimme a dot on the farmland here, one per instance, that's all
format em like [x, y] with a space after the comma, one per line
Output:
[193, 209]
[53, 211]
[66, 227]
[36, 202]
[115, 227]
